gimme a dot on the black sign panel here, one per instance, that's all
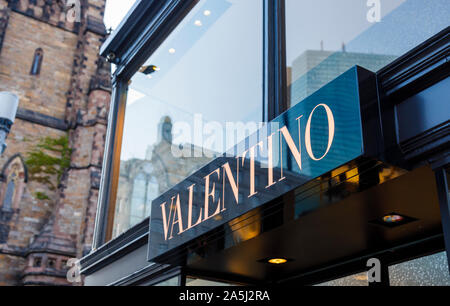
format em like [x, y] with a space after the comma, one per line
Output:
[334, 126]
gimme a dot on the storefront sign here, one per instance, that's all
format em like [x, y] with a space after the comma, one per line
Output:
[332, 127]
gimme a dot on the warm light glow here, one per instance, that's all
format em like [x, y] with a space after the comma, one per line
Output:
[172, 51]
[207, 12]
[361, 277]
[277, 261]
[156, 68]
[198, 23]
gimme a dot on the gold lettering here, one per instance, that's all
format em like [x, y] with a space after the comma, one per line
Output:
[234, 186]
[191, 200]
[290, 142]
[331, 131]
[252, 152]
[211, 194]
[164, 217]
[179, 218]
[281, 157]
[270, 161]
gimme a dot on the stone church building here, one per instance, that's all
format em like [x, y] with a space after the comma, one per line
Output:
[50, 172]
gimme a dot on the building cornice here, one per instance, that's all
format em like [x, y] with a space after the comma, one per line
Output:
[4, 18]
[50, 13]
[42, 119]
[423, 66]
[400, 82]
[117, 248]
[54, 15]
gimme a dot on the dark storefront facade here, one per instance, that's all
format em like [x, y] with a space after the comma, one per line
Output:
[276, 142]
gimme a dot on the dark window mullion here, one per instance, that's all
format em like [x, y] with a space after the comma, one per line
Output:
[112, 154]
[274, 59]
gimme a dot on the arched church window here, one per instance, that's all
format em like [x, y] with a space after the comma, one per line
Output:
[138, 199]
[15, 177]
[8, 201]
[145, 190]
[37, 62]
[37, 262]
[152, 193]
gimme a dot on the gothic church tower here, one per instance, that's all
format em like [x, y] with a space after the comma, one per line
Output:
[51, 169]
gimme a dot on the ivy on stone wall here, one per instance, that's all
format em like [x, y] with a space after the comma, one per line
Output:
[41, 196]
[50, 158]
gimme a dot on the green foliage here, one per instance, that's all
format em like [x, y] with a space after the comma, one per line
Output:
[42, 196]
[50, 158]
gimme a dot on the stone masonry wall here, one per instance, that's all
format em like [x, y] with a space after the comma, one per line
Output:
[45, 93]
[69, 98]
[23, 138]
[11, 267]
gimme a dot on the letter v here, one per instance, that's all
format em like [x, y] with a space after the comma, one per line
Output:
[164, 217]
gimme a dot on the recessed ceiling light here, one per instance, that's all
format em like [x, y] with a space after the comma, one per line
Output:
[277, 261]
[172, 50]
[391, 219]
[207, 12]
[147, 70]
[198, 23]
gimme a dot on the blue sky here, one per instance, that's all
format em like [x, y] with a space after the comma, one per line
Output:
[212, 53]
[115, 11]
[224, 51]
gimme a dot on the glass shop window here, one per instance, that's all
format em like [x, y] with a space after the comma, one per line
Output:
[324, 38]
[172, 282]
[425, 271]
[198, 282]
[356, 280]
[199, 94]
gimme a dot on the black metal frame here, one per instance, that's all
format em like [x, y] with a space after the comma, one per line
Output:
[275, 84]
[151, 276]
[128, 48]
[442, 180]
[131, 47]
[137, 39]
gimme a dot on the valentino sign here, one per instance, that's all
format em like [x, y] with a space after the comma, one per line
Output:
[321, 133]
[173, 218]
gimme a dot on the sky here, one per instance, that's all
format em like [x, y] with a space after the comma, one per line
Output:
[209, 54]
[116, 11]
[202, 61]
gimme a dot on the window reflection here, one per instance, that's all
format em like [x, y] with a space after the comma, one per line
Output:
[197, 282]
[206, 74]
[356, 280]
[327, 37]
[425, 271]
[173, 282]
